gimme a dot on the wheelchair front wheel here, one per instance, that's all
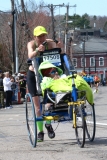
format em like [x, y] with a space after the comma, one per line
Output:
[31, 120]
[90, 122]
[80, 126]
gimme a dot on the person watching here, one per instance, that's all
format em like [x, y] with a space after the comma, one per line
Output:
[7, 82]
[1, 91]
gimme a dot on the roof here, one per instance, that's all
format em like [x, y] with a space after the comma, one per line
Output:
[97, 45]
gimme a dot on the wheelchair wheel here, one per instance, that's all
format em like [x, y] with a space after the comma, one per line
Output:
[80, 126]
[31, 120]
[90, 122]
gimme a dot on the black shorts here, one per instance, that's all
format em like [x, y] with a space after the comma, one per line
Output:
[96, 82]
[31, 83]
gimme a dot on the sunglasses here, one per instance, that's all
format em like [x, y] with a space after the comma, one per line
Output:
[53, 72]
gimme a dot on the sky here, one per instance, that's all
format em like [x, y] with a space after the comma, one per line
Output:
[91, 7]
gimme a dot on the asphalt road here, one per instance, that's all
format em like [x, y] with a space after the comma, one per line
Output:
[15, 145]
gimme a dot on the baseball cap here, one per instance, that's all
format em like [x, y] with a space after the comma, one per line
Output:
[39, 30]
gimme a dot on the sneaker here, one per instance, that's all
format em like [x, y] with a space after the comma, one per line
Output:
[7, 107]
[10, 107]
[40, 137]
[51, 133]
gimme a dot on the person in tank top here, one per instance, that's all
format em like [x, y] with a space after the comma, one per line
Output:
[34, 47]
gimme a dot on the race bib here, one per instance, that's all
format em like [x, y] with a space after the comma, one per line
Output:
[54, 58]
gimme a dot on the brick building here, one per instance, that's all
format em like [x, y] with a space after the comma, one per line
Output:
[89, 53]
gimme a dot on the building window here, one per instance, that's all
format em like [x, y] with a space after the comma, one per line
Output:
[75, 62]
[92, 61]
[82, 62]
[101, 61]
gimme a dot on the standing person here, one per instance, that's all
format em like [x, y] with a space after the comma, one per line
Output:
[17, 75]
[13, 87]
[1, 91]
[22, 84]
[7, 82]
[34, 47]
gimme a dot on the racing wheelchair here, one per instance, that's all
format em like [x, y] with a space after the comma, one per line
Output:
[71, 106]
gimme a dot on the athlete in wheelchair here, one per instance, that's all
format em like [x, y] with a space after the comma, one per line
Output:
[56, 86]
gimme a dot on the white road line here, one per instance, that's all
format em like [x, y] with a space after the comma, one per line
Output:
[10, 118]
[17, 115]
[103, 124]
[97, 123]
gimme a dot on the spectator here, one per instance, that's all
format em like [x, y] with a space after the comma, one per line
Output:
[1, 91]
[13, 87]
[104, 82]
[7, 82]
[22, 84]
[17, 85]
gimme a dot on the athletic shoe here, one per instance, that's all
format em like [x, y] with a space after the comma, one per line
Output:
[7, 107]
[51, 133]
[40, 137]
[10, 107]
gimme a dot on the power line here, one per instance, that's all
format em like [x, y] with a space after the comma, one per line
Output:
[51, 7]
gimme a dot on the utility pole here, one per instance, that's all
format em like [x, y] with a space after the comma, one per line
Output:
[66, 28]
[84, 54]
[25, 24]
[95, 65]
[53, 25]
[14, 50]
[13, 40]
[51, 7]
[66, 25]
[15, 56]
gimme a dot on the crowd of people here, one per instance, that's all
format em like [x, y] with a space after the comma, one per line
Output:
[10, 85]
[94, 80]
